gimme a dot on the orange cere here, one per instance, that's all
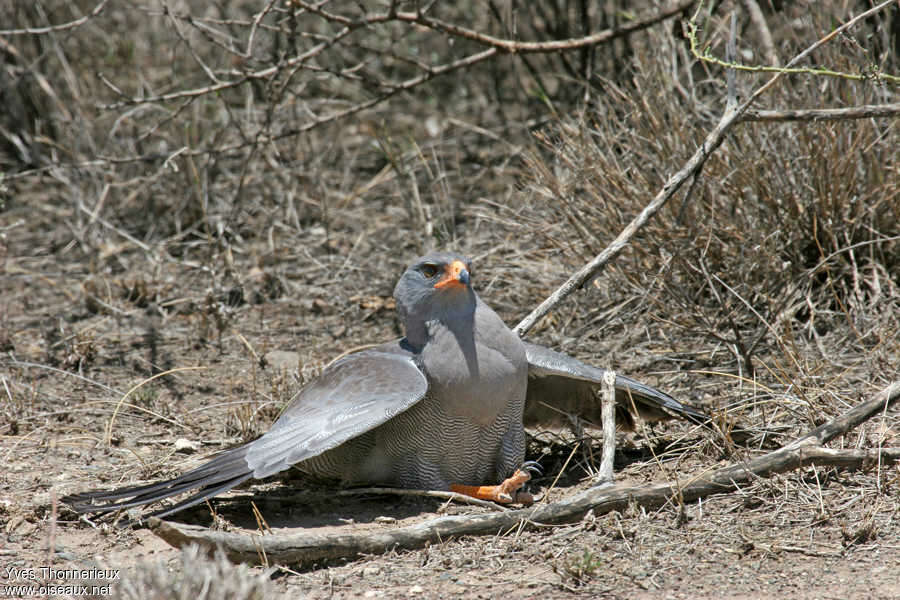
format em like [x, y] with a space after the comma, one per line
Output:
[453, 275]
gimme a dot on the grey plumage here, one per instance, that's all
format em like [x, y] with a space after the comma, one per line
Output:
[559, 385]
[444, 406]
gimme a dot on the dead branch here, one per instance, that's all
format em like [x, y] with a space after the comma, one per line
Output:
[851, 419]
[310, 547]
[56, 28]
[505, 45]
[825, 114]
[590, 270]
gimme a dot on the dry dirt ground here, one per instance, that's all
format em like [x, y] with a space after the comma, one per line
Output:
[75, 345]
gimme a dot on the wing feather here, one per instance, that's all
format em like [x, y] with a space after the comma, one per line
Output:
[352, 396]
[559, 385]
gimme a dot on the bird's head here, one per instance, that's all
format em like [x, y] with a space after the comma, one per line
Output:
[435, 287]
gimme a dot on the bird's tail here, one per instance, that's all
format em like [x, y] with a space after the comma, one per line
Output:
[222, 473]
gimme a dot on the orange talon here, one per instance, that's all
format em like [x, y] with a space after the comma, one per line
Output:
[505, 493]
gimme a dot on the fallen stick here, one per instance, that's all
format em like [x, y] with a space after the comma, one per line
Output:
[308, 548]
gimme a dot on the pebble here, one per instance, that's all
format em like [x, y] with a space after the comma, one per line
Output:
[186, 446]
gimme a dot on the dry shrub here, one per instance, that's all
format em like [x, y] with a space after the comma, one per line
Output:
[199, 576]
[782, 260]
[204, 164]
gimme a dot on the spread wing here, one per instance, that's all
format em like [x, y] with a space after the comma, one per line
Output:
[352, 396]
[559, 385]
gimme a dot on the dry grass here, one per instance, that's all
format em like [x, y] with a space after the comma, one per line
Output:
[769, 291]
[199, 576]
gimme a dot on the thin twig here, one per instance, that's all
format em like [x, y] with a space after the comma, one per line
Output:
[790, 68]
[121, 402]
[61, 27]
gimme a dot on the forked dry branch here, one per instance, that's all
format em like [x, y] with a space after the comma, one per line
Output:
[306, 548]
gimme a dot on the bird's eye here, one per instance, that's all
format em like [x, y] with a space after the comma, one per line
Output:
[429, 270]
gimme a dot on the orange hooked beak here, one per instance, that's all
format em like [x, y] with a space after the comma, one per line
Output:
[455, 274]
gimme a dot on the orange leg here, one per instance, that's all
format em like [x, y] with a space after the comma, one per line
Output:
[505, 493]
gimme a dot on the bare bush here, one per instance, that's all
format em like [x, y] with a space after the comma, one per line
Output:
[198, 576]
[790, 233]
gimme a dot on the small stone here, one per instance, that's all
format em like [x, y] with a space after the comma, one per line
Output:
[283, 360]
[416, 589]
[371, 571]
[385, 520]
[186, 446]
[14, 524]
